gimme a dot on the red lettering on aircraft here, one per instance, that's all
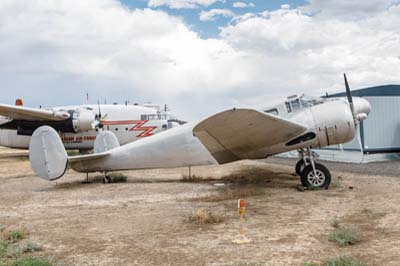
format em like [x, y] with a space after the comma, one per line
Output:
[139, 125]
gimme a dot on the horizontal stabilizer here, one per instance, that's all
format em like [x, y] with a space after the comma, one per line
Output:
[47, 154]
[243, 133]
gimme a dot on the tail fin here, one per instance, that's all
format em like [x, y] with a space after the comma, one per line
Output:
[105, 141]
[19, 102]
[47, 154]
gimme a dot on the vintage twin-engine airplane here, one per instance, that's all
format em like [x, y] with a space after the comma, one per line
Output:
[222, 138]
[79, 125]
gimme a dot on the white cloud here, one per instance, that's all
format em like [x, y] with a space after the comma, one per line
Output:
[213, 13]
[291, 47]
[53, 52]
[349, 8]
[242, 5]
[178, 4]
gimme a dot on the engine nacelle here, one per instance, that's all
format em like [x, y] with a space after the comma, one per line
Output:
[83, 121]
[334, 123]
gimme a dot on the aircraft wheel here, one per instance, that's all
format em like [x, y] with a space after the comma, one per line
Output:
[321, 180]
[300, 166]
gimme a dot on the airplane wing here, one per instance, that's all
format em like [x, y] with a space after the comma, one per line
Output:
[239, 133]
[32, 114]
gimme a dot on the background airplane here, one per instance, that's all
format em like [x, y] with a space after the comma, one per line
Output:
[222, 138]
[79, 125]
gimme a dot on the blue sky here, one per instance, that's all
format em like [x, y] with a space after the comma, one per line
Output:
[209, 29]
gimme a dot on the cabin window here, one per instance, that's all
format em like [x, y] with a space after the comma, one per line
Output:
[272, 111]
[116, 129]
[288, 107]
[296, 105]
[144, 117]
[126, 129]
[164, 126]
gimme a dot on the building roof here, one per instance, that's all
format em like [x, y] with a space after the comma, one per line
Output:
[384, 90]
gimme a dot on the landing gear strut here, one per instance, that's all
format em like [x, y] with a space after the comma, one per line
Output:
[312, 174]
[106, 179]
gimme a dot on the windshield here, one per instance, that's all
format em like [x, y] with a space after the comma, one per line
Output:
[303, 101]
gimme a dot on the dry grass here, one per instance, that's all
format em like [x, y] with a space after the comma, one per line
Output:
[246, 176]
[335, 223]
[115, 178]
[231, 193]
[203, 216]
[249, 175]
[195, 179]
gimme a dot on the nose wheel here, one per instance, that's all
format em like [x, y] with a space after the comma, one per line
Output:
[312, 174]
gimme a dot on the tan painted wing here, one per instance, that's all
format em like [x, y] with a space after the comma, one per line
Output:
[243, 133]
[31, 114]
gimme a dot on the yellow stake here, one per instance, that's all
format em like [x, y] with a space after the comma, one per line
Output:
[242, 238]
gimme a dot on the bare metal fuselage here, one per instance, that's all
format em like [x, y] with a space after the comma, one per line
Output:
[328, 123]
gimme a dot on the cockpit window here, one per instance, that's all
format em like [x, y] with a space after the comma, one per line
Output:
[273, 111]
[297, 103]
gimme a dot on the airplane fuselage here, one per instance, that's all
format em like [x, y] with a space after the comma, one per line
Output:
[328, 123]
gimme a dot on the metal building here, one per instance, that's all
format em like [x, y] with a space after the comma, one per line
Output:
[380, 133]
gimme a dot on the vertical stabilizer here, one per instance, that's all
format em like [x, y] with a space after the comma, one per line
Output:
[47, 154]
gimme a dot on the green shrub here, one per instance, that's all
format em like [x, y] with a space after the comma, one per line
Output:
[15, 236]
[31, 261]
[3, 249]
[345, 261]
[344, 236]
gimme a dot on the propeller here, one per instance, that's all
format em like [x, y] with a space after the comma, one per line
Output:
[99, 118]
[357, 120]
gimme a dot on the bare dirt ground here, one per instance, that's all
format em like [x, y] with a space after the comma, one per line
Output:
[145, 221]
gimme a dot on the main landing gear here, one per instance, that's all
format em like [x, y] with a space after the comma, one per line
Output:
[106, 179]
[312, 174]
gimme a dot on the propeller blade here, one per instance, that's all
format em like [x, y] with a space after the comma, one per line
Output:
[98, 104]
[348, 93]
[358, 132]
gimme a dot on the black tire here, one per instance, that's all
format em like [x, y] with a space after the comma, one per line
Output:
[107, 180]
[300, 166]
[308, 177]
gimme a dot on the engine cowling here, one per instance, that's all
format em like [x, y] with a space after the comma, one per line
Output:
[334, 123]
[83, 121]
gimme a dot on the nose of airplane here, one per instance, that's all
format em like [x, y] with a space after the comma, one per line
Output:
[361, 106]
